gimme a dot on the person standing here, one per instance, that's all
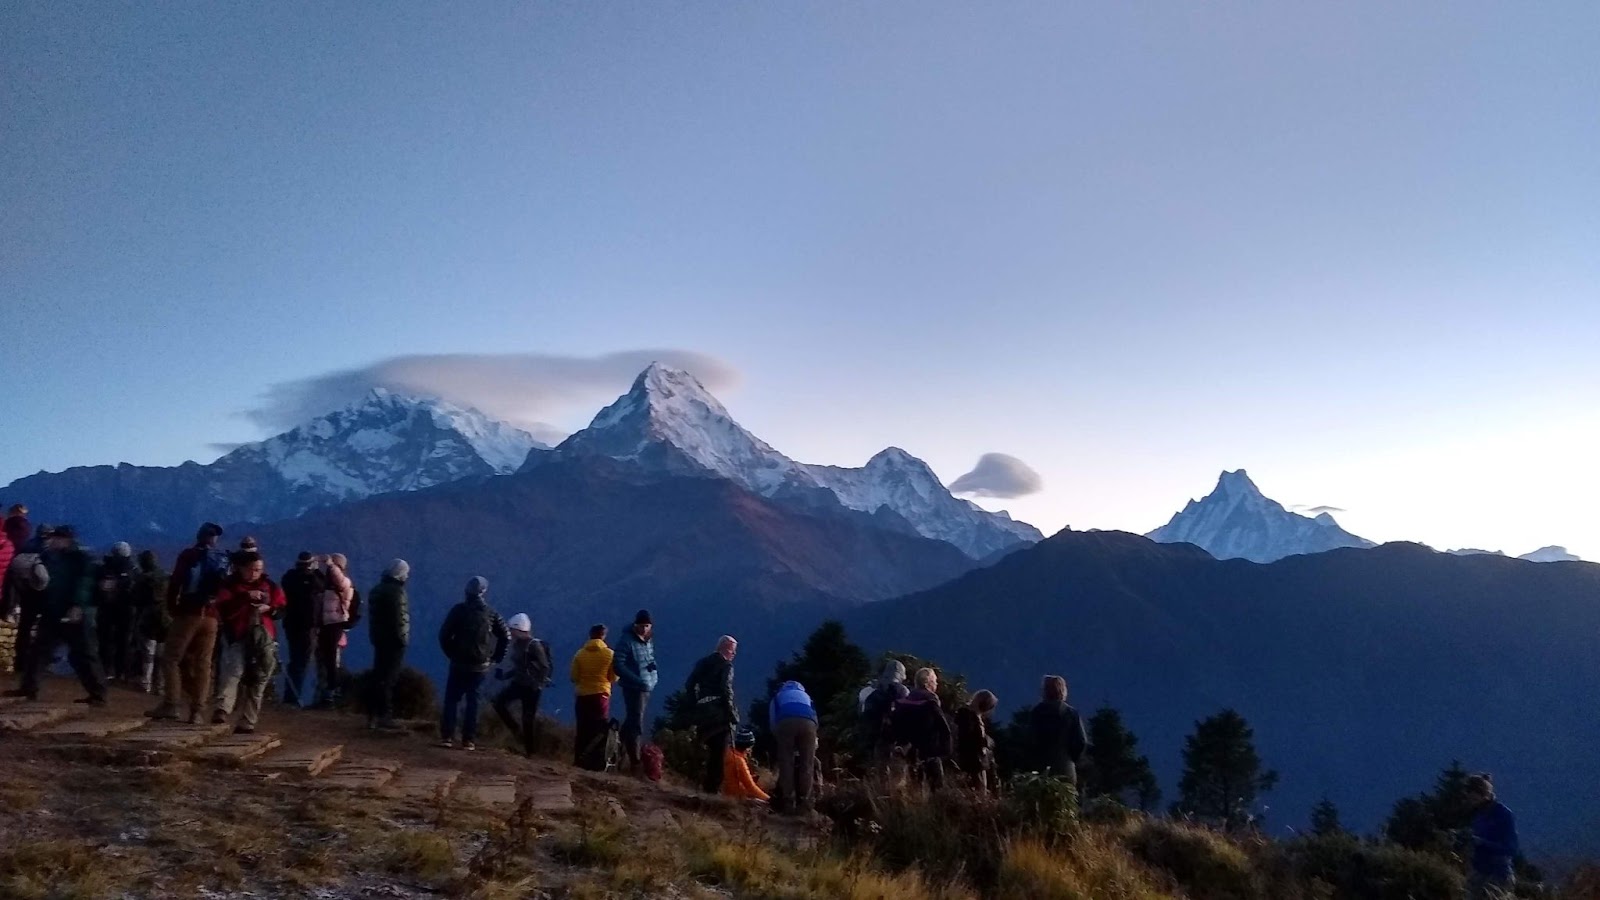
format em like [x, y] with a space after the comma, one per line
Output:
[636, 674]
[1057, 732]
[336, 614]
[918, 722]
[474, 638]
[67, 617]
[389, 627]
[1494, 842]
[529, 675]
[247, 603]
[302, 589]
[27, 579]
[592, 674]
[114, 611]
[197, 575]
[151, 617]
[877, 702]
[714, 710]
[794, 729]
[975, 744]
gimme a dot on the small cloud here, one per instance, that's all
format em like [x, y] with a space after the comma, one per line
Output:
[1316, 510]
[525, 389]
[998, 475]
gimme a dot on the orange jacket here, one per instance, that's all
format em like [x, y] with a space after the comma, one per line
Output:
[736, 778]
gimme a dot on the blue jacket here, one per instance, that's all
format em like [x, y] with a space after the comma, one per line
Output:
[791, 702]
[1494, 841]
[635, 662]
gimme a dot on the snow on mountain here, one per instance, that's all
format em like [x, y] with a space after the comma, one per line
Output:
[1237, 521]
[669, 421]
[905, 484]
[1473, 551]
[1552, 553]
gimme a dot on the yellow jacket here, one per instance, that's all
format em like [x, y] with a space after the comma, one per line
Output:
[591, 669]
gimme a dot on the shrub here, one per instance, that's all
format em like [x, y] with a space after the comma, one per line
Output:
[949, 835]
[682, 754]
[1042, 806]
[1106, 811]
[422, 854]
[414, 694]
[1358, 871]
[1094, 868]
[1203, 862]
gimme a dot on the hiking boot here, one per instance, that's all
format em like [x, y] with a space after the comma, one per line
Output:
[91, 701]
[244, 729]
[19, 692]
[468, 745]
[162, 712]
[448, 744]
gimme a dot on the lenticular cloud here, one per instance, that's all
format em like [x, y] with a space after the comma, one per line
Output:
[526, 389]
[998, 475]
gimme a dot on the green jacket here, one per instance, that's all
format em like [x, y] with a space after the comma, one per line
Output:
[389, 614]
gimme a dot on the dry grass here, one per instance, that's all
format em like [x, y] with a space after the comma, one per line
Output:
[421, 854]
[1094, 869]
[762, 872]
[59, 870]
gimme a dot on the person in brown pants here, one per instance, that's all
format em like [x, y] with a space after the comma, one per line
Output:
[191, 596]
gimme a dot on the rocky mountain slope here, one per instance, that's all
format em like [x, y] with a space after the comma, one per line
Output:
[1237, 521]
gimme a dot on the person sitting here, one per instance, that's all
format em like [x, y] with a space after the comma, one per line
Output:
[737, 780]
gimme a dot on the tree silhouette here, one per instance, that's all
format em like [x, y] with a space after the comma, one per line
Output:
[1222, 774]
[1325, 819]
[1113, 767]
[831, 668]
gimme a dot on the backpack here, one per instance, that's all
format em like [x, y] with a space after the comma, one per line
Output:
[537, 667]
[29, 572]
[879, 704]
[653, 761]
[470, 637]
[204, 579]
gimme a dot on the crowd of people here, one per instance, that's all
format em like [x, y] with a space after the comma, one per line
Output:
[206, 639]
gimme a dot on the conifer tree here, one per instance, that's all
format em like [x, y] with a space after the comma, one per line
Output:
[1325, 819]
[1112, 766]
[830, 667]
[1222, 774]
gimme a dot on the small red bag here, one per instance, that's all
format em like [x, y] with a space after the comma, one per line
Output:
[653, 761]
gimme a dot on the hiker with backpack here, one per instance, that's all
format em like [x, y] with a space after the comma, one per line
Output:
[338, 611]
[114, 611]
[152, 619]
[302, 589]
[635, 663]
[66, 617]
[191, 596]
[26, 581]
[1056, 731]
[528, 676]
[713, 709]
[793, 719]
[474, 638]
[389, 628]
[975, 743]
[247, 603]
[877, 702]
[592, 674]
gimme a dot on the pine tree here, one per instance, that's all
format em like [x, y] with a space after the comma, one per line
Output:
[1222, 774]
[1112, 767]
[831, 668]
[1433, 821]
[1325, 819]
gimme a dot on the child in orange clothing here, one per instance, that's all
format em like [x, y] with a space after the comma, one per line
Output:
[736, 778]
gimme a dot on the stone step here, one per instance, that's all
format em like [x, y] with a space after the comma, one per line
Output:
[238, 748]
[424, 784]
[167, 735]
[31, 715]
[360, 774]
[488, 790]
[304, 760]
[550, 796]
[90, 728]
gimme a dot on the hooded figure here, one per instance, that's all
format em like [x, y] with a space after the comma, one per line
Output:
[794, 729]
[474, 638]
[389, 627]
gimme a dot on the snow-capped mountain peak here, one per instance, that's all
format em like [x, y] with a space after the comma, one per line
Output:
[1552, 553]
[1236, 520]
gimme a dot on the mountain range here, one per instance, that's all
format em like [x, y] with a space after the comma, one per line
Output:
[1363, 671]
[1237, 521]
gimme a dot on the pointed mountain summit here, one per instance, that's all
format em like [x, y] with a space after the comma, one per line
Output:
[1236, 520]
[1552, 553]
[669, 422]
[382, 443]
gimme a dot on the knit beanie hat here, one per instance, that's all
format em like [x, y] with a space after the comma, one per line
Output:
[398, 569]
[122, 549]
[477, 586]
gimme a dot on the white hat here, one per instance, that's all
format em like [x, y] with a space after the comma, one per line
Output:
[520, 622]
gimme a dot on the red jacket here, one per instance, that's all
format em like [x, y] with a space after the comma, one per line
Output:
[7, 551]
[236, 608]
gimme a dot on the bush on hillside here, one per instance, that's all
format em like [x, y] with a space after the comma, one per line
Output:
[1094, 868]
[1041, 806]
[1206, 864]
[414, 694]
[681, 753]
[1361, 871]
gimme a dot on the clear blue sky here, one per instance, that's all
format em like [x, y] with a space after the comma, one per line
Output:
[1353, 247]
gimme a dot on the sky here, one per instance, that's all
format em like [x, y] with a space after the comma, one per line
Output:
[1353, 248]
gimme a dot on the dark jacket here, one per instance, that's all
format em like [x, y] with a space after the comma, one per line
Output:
[1494, 841]
[530, 664]
[635, 662]
[1058, 738]
[302, 588]
[918, 722]
[149, 600]
[473, 636]
[974, 744]
[71, 580]
[389, 615]
[113, 582]
[711, 691]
